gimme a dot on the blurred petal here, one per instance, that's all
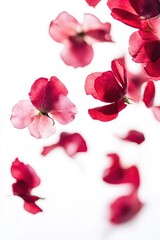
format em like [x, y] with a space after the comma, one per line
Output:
[23, 114]
[149, 94]
[134, 136]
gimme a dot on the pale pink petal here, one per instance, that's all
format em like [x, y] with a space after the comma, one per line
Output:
[63, 26]
[89, 84]
[156, 112]
[64, 110]
[42, 127]
[23, 114]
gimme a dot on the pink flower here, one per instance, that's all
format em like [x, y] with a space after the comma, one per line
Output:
[109, 87]
[133, 12]
[125, 208]
[71, 142]
[118, 174]
[134, 136]
[26, 180]
[92, 3]
[78, 38]
[144, 47]
[48, 102]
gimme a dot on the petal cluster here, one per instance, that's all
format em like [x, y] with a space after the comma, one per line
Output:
[48, 102]
[78, 38]
[26, 180]
[109, 87]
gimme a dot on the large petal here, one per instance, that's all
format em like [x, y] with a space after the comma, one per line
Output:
[42, 127]
[23, 114]
[64, 110]
[77, 53]
[107, 88]
[108, 112]
[44, 93]
[63, 26]
[24, 172]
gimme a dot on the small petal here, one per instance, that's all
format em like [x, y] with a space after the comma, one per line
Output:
[156, 112]
[134, 136]
[92, 3]
[149, 94]
[32, 208]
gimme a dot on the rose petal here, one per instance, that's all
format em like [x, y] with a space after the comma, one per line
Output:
[92, 3]
[134, 136]
[32, 208]
[149, 94]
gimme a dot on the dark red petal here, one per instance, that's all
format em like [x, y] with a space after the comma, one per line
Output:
[107, 88]
[149, 94]
[20, 188]
[146, 8]
[92, 3]
[32, 208]
[44, 93]
[134, 136]
[125, 208]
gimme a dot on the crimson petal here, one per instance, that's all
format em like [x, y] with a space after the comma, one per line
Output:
[149, 94]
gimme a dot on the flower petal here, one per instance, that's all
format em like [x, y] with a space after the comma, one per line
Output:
[89, 84]
[31, 207]
[92, 3]
[64, 110]
[149, 94]
[42, 127]
[23, 114]
[134, 136]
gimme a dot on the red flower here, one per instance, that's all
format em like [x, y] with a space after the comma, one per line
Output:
[149, 94]
[92, 3]
[48, 102]
[26, 180]
[134, 136]
[117, 174]
[133, 12]
[109, 87]
[144, 47]
[78, 38]
[71, 142]
[125, 208]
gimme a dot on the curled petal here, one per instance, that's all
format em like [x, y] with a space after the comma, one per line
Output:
[42, 127]
[149, 94]
[108, 112]
[64, 110]
[134, 136]
[63, 26]
[23, 114]
[77, 54]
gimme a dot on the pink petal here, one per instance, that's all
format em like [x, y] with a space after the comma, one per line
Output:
[77, 54]
[24, 172]
[64, 110]
[89, 84]
[125, 208]
[32, 208]
[153, 69]
[45, 92]
[92, 3]
[23, 114]
[42, 127]
[156, 112]
[63, 26]
[134, 136]
[48, 149]
[118, 68]
[108, 112]
[149, 94]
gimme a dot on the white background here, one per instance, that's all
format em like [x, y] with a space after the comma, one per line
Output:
[76, 199]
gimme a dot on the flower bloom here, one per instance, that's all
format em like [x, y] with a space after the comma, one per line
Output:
[108, 87]
[72, 143]
[133, 12]
[26, 180]
[78, 38]
[125, 208]
[48, 102]
[134, 136]
[144, 47]
[117, 174]
[92, 3]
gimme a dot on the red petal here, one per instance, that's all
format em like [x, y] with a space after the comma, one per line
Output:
[92, 3]
[44, 93]
[153, 69]
[134, 136]
[32, 208]
[89, 84]
[156, 112]
[125, 208]
[149, 94]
